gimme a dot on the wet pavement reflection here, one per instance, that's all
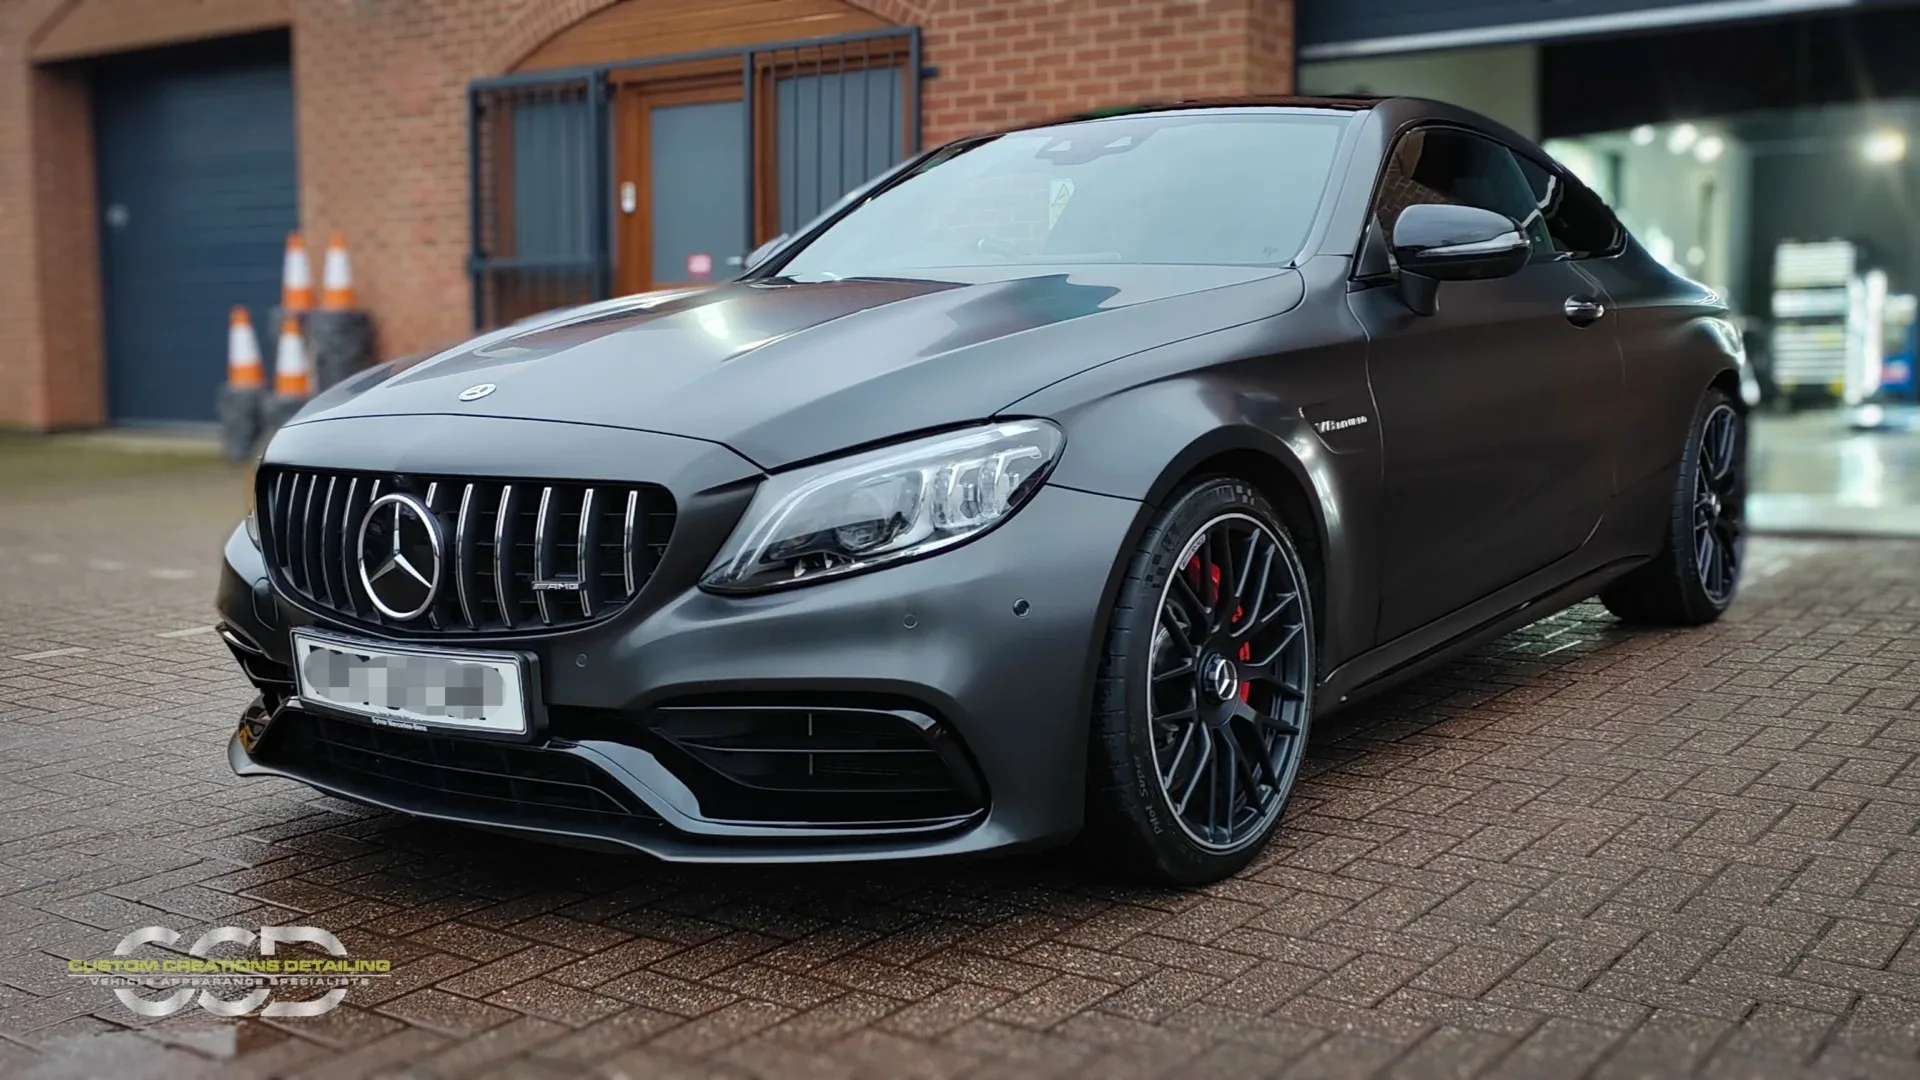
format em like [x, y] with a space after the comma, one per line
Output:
[1819, 472]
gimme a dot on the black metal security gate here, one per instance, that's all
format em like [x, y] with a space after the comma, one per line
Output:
[824, 115]
[539, 206]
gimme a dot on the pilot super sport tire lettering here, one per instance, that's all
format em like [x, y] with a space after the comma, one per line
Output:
[1693, 579]
[1205, 690]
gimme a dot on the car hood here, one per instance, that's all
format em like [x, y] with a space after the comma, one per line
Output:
[781, 371]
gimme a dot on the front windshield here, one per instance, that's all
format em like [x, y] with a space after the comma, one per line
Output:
[1234, 188]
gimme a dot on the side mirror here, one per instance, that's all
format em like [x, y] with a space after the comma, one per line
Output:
[759, 254]
[1433, 242]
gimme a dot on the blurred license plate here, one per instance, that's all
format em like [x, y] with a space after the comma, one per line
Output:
[413, 689]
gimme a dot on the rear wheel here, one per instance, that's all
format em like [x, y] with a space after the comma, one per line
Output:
[1693, 579]
[1205, 690]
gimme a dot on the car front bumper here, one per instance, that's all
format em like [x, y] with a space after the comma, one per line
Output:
[987, 650]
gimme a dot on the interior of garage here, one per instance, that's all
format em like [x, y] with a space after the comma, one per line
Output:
[1769, 160]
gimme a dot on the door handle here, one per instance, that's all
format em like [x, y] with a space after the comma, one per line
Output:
[1582, 311]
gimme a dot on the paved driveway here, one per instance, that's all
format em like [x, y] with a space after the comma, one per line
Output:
[1582, 850]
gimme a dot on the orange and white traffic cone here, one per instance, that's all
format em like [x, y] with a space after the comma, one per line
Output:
[292, 376]
[243, 352]
[336, 278]
[242, 398]
[296, 277]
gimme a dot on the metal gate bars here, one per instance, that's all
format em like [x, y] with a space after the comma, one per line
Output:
[824, 115]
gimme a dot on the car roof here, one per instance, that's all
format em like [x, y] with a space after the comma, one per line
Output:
[1344, 103]
[1396, 110]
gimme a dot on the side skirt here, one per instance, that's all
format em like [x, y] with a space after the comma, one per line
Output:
[1383, 667]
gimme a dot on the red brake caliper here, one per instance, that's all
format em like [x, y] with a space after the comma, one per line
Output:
[1246, 647]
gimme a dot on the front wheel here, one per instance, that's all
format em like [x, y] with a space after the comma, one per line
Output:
[1693, 579]
[1205, 690]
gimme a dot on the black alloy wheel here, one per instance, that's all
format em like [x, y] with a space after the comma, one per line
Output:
[1717, 539]
[1206, 693]
[1694, 577]
[1227, 683]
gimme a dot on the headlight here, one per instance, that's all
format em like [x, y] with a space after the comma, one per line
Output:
[884, 506]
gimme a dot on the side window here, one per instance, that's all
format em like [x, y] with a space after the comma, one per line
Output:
[1445, 165]
[1577, 221]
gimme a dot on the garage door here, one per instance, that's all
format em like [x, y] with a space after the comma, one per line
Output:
[195, 153]
[1332, 29]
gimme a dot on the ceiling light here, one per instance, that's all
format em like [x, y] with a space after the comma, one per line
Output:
[1643, 135]
[1709, 149]
[1682, 138]
[1884, 147]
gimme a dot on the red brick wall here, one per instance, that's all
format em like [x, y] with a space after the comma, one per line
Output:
[380, 102]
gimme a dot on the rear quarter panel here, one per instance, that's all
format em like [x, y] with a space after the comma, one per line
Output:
[1671, 350]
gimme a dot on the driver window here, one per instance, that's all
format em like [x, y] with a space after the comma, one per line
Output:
[1445, 165]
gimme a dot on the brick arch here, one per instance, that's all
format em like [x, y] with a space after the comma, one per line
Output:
[542, 19]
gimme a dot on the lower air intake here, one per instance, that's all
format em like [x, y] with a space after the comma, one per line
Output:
[797, 765]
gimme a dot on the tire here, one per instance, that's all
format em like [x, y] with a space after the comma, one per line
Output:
[1249, 691]
[1683, 585]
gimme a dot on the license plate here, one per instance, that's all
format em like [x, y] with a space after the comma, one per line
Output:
[416, 689]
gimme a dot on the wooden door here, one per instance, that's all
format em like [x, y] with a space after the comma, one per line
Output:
[681, 179]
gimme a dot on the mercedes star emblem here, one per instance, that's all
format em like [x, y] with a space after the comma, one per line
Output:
[1222, 680]
[475, 393]
[400, 556]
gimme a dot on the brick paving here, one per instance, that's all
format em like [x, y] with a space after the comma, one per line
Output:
[1581, 851]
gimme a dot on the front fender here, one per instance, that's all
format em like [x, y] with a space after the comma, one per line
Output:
[1247, 399]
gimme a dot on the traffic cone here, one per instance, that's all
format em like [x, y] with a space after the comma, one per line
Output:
[292, 378]
[243, 352]
[296, 277]
[243, 397]
[336, 278]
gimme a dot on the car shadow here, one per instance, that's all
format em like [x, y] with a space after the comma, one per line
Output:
[1394, 748]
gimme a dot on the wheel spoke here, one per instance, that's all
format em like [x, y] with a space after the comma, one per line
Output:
[1209, 595]
[1272, 658]
[1252, 619]
[1179, 755]
[1191, 712]
[1250, 715]
[1279, 608]
[1199, 768]
[1243, 568]
[1184, 593]
[1246, 758]
[1229, 764]
[1223, 577]
[1180, 670]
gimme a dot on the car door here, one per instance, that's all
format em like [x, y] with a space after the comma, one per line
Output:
[1492, 412]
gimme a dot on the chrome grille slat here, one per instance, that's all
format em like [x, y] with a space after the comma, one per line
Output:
[327, 533]
[446, 561]
[349, 544]
[627, 540]
[503, 555]
[288, 558]
[309, 520]
[463, 557]
[277, 542]
[542, 554]
[310, 538]
[582, 555]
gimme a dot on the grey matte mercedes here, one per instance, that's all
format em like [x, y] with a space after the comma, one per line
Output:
[1051, 485]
